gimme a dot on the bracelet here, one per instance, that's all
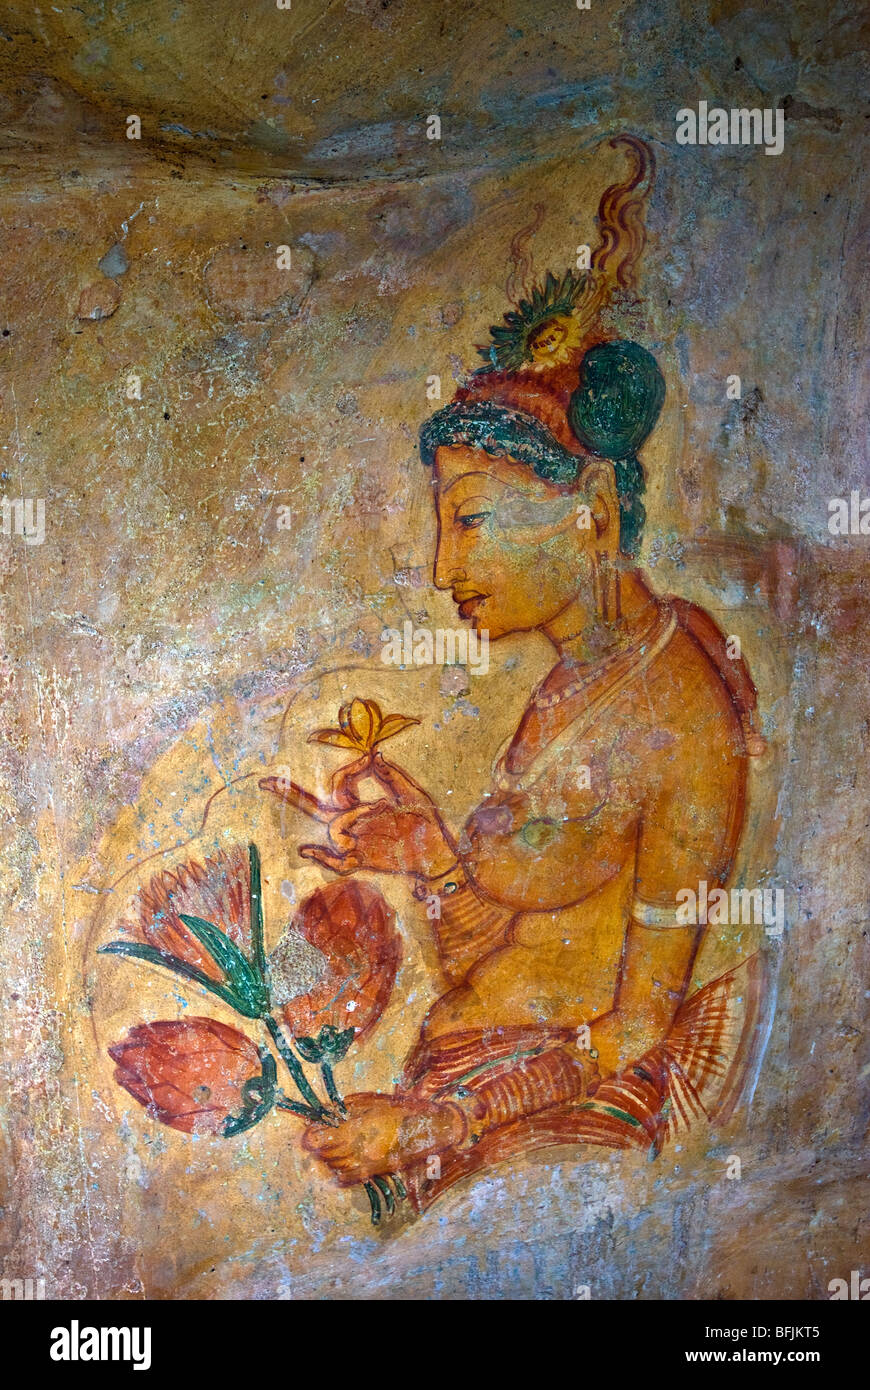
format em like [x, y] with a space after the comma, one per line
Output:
[472, 1109]
[443, 886]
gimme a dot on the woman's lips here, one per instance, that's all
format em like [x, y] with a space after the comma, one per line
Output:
[468, 606]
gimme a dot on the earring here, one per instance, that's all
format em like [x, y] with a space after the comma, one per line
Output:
[606, 587]
[596, 586]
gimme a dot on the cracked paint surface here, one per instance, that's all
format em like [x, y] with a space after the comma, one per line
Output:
[226, 542]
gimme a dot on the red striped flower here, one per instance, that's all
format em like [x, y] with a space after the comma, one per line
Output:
[205, 923]
[194, 1074]
[218, 891]
[351, 925]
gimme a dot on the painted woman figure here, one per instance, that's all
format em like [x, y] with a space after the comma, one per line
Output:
[565, 1017]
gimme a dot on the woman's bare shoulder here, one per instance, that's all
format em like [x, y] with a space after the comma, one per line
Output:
[683, 699]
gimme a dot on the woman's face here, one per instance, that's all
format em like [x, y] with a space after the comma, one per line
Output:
[509, 545]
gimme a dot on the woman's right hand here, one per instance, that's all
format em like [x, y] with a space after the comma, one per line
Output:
[383, 1134]
[401, 833]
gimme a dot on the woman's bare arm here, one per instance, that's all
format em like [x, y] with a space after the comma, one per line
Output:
[654, 976]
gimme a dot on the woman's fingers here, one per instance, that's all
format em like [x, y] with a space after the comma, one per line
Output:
[347, 1172]
[343, 1164]
[346, 780]
[344, 790]
[398, 784]
[337, 1152]
[297, 796]
[315, 1137]
[400, 789]
[342, 834]
[338, 863]
[342, 827]
[340, 1162]
[351, 1176]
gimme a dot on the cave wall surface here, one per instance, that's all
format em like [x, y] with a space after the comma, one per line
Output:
[235, 509]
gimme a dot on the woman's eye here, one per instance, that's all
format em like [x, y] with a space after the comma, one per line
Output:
[473, 519]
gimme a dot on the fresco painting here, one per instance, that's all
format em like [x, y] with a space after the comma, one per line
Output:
[433, 655]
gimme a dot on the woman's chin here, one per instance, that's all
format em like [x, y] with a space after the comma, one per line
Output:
[483, 621]
[492, 628]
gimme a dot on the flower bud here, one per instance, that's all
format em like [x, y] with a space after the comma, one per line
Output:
[189, 1074]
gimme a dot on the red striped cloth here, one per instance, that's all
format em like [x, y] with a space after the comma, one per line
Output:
[469, 928]
[698, 1071]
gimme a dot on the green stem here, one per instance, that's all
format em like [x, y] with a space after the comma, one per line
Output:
[294, 1067]
[374, 1201]
[256, 895]
[331, 1088]
[387, 1193]
[297, 1109]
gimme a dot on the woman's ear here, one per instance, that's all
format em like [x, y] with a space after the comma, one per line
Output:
[598, 487]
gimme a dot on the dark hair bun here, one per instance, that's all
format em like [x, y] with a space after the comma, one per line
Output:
[612, 412]
[618, 400]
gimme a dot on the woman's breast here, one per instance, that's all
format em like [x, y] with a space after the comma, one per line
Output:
[556, 968]
[593, 925]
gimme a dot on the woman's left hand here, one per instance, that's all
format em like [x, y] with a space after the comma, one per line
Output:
[382, 1134]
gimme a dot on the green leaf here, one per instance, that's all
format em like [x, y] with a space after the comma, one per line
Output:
[339, 1043]
[223, 951]
[308, 1049]
[237, 1124]
[249, 989]
[150, 954]
[253, 1110]
[259, 953]
[297, 1108]
[374, 1202]
[331, 1089]
[387, 1193]
[268, 1079]
[270, 1067]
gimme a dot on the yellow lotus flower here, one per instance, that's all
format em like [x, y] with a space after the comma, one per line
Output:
[361, 726]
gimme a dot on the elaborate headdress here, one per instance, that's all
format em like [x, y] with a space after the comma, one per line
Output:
[556, 386]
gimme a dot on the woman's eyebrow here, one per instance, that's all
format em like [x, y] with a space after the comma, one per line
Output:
[461, 478]
[507, 488]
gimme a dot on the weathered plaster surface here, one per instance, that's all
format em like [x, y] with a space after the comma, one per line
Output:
[150, 645]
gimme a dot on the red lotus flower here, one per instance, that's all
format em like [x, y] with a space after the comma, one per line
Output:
[218, 891]
[193, 1074]
[331, 976]
[354, 928]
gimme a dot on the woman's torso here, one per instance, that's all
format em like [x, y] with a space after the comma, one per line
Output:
[665, 764]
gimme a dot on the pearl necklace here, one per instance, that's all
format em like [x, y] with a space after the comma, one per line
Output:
[595, 672]
[521, 782]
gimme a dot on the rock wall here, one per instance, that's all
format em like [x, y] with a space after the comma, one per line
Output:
[234, 509]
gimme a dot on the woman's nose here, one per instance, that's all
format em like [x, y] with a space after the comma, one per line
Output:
[445, 570]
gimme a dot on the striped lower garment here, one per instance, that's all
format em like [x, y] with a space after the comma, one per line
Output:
[528, 1094]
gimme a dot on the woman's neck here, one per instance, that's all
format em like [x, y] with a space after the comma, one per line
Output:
[580, 637]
